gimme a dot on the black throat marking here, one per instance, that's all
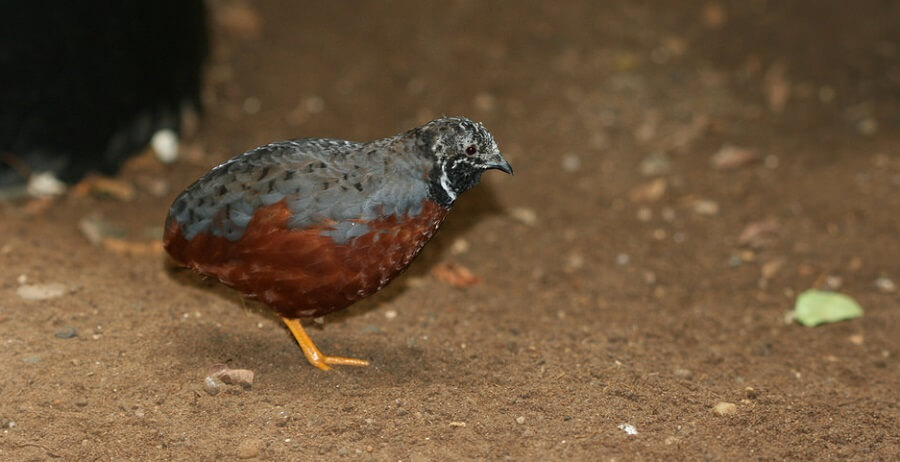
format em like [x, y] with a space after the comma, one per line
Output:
[447, 182]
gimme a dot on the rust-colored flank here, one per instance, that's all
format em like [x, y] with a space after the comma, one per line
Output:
[303, 272]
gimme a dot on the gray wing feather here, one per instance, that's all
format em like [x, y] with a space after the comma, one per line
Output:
[320, 180]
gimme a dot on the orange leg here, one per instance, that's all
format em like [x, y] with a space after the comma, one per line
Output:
[313, 355]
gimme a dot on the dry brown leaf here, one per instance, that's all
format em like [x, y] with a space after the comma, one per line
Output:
[730, 157]
[455, 275]
[759, 233]
[650, 191]
[123, 247]
[228, 376]
[770, 268]
[100, 185]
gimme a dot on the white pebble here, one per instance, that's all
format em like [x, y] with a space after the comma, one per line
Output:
[41, 291]
[885, 284]
[44, 184]
[723, 408]
[520, 420]
[628, 429]
[165, 145]
[644, 214]
[390, 314]
[459, 246]
[524, 215]
[706, 207]
[571, 163]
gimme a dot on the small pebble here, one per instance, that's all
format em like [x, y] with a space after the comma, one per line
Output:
[252, 105]
[656, 163]
[574, 262]
[650, 191]
[622, 259]
[31, 359]
[644, 214]
[165, 145]
[730, 157]
[751, 393]
[35, 292]
[520, 420]
[315, 104]
[457, 424]
[885, 284]
[390, 314]
[211, 386]
[67, 332]
[668, 214]
[724, 408]
[524, 215]
[459, 246]
[628, 429]
[682, 373]
[44, 184]
[867, 126]
[371, 329]
[706, 207]
[249, 449]
[571, 163]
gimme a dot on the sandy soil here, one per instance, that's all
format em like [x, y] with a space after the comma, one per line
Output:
[614, 285]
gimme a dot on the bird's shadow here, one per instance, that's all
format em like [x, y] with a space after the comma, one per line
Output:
[468, 210]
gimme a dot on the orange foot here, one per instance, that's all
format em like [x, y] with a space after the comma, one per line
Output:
[313, 355]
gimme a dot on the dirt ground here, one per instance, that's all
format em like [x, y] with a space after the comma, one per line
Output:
[625, 277]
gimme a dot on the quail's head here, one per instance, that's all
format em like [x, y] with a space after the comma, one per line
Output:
[463, 149]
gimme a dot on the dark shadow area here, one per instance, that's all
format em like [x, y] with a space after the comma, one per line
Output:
[107, 76]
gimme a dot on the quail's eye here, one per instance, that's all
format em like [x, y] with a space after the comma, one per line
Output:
[471, 150]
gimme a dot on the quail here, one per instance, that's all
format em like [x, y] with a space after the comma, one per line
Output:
[309, 226]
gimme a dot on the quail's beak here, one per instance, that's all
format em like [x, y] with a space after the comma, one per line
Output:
[499, 163]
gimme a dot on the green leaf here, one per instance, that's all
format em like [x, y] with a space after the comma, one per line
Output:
[816, 307]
